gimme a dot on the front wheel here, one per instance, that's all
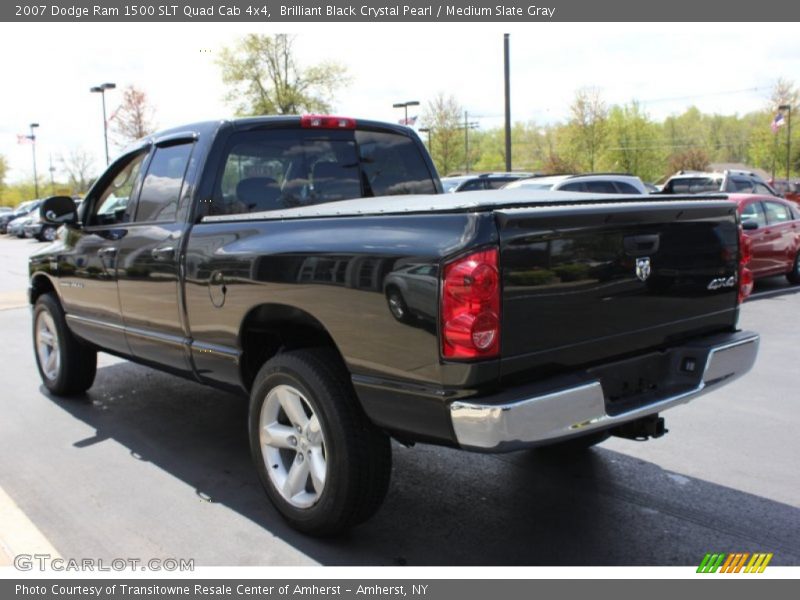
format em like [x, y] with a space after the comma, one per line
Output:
[67, 365]
[324, 466]
[794, 275]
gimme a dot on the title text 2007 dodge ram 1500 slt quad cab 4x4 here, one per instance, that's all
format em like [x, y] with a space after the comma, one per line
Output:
[311, 263]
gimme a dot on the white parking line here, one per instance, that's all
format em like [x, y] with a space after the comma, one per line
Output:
[18, 534]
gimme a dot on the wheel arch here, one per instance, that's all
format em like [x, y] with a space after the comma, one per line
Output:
[271, 328]
[41, 284]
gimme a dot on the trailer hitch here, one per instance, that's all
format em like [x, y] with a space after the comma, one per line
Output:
[651, 426]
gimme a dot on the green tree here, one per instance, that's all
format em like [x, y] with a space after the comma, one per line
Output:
[587, 127]
[442, 116]
[264, 77]
[633, 143]
[691, 159]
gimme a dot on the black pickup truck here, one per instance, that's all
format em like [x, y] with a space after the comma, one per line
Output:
[312, 264]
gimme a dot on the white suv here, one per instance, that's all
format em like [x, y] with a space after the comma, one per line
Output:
[597, 183]
[701, 182]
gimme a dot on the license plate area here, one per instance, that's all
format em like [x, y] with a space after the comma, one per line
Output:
[636, 382]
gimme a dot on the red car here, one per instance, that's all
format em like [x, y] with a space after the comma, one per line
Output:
[773, 226]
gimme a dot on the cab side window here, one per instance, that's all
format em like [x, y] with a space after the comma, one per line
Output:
[161, 188]
[113, 205]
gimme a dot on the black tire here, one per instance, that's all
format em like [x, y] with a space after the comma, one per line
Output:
[397, 305]
[794, 275]
[76, 362]
[357, 455]
[48, 234]
[576, 445]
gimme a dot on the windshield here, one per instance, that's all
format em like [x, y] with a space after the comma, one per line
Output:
[693, 185]
[449, 185]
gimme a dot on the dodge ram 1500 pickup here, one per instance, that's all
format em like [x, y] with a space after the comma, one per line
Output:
[312, 264]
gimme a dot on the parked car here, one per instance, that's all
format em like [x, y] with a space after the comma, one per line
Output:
[772, 225]
[596, 183]
[484, 181]
[5, 209]
[17, 226]
[254, 255]
[788, 189]
[21, 210]
[411, 292]
[730, 181]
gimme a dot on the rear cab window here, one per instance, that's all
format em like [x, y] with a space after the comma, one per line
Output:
[273, 169]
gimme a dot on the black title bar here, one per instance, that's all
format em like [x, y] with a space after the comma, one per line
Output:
[511, 11]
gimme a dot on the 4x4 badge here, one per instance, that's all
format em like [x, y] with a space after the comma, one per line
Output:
[643, 268]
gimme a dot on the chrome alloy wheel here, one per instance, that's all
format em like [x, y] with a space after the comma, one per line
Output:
[47, 345]
[293, 446]
[396, 306]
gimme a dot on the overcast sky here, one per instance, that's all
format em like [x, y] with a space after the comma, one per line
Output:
[47, 70]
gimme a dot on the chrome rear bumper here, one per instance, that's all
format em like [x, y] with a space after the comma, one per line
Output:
[532, 418]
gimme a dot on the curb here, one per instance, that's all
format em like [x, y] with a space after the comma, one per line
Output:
[18, 534]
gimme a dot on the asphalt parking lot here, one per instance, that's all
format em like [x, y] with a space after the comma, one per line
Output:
[149, 465]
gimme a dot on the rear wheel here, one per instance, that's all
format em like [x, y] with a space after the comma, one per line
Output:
[324, 466]
[794, 275]
[67, 365]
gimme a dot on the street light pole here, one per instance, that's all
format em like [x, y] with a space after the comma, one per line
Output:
[32, 137]
[101, 89]
[404, 106]
[507, 91]
[788, 109]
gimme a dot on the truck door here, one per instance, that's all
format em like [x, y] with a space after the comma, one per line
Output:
[148, 261]
[87, 267]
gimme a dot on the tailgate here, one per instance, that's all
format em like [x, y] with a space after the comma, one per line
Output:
[593, 281]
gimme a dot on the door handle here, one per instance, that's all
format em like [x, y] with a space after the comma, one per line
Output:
[162, 253]
[106, 251]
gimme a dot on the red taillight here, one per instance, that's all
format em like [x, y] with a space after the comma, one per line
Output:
[327, 122]
[745, 274]
[470, 306]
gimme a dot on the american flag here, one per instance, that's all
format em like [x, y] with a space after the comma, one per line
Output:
[409, 121]
[24, 139]
[777, 122]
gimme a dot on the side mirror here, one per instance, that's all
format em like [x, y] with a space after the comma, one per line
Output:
[749, 224]
[59, 210]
